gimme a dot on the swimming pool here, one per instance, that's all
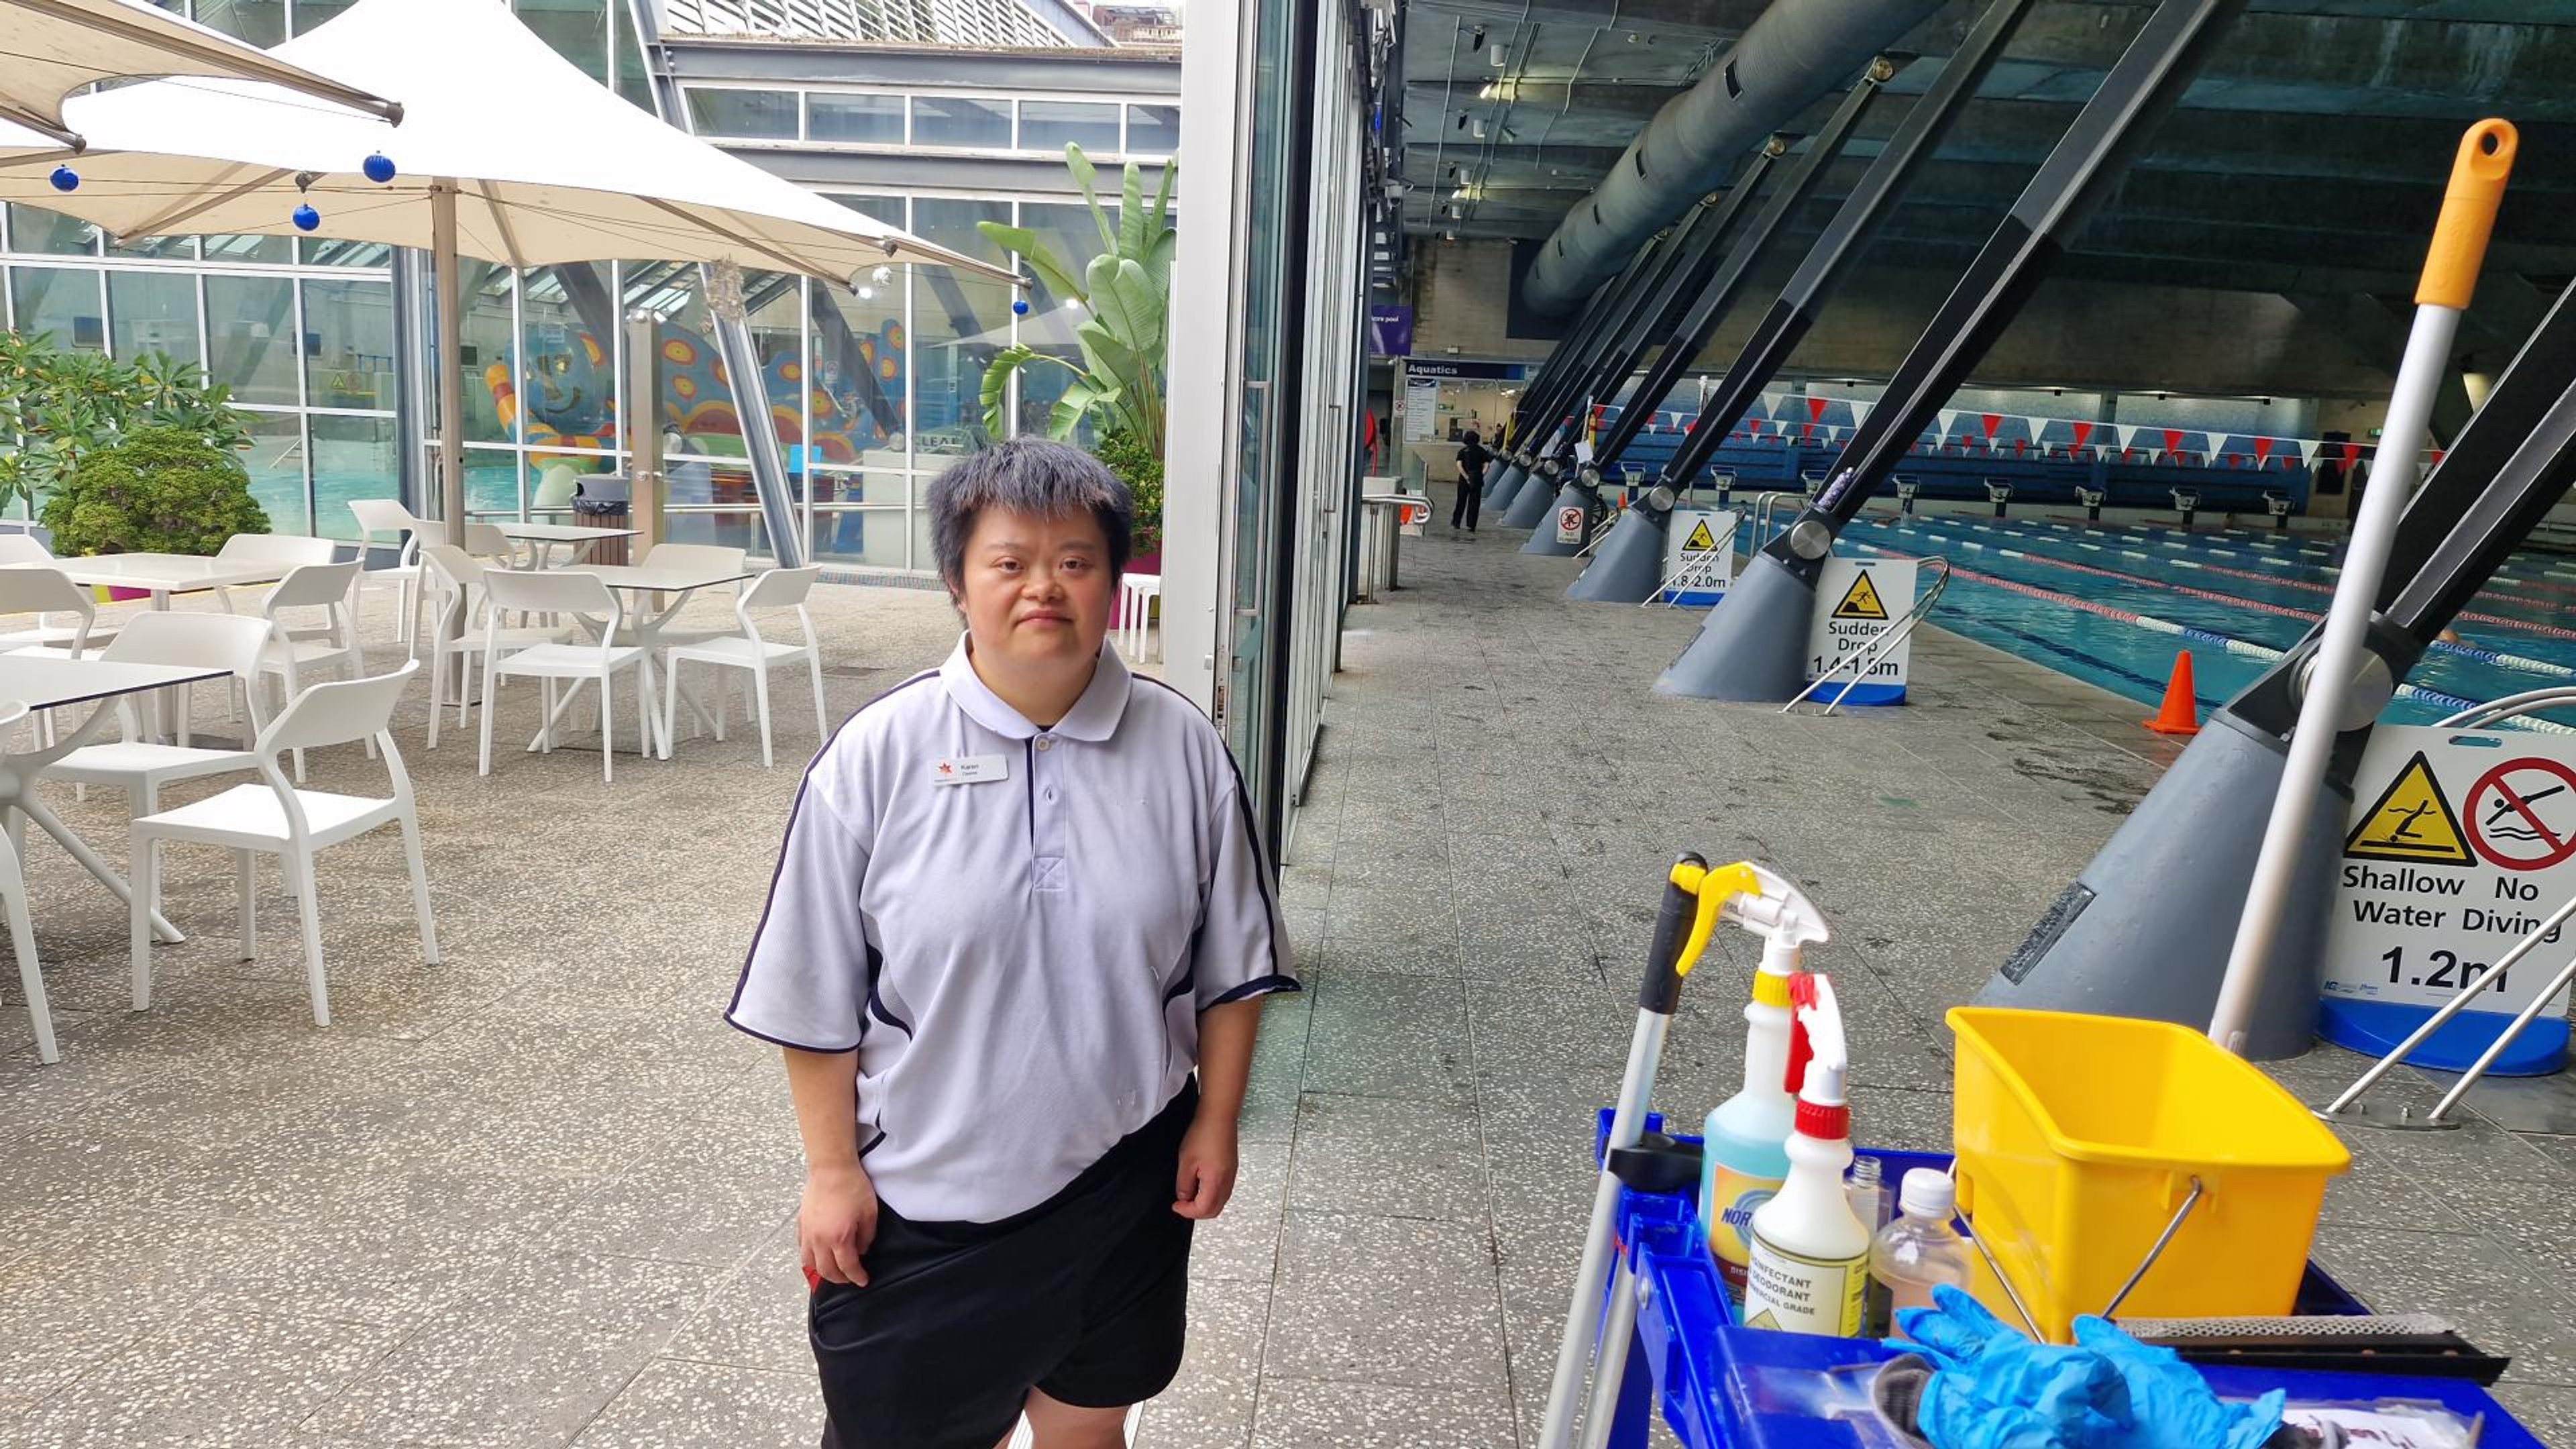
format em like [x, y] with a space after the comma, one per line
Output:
[2112, 604]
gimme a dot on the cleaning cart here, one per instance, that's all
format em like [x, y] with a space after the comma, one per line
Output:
[1721, 1386]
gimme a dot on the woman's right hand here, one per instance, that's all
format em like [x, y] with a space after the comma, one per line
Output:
[835, 1223]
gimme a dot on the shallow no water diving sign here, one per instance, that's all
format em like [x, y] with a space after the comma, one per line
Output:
[1699, 556]
[2460, 841]
[1856, 602]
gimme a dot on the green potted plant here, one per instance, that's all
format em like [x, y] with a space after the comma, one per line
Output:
[1124, 293]
[157, 489]
[62, 407]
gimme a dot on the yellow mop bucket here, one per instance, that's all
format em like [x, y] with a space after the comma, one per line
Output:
[2107, 1163]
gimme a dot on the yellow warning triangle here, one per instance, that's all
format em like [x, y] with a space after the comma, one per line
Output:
[2412, 821]
[1700, 540]
[1860, 601]
[1763, 1319]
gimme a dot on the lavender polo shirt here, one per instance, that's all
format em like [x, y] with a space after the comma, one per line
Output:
[1015, 928]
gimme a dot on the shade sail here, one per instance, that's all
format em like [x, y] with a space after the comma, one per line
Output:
[551, 166]
[57, 47]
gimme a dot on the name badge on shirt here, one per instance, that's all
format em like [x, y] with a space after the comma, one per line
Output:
[970, 769]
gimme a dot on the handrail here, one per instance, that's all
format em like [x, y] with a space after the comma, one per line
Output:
[1881, 646]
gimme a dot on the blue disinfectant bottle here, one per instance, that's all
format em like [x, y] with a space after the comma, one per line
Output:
[1746, 1157]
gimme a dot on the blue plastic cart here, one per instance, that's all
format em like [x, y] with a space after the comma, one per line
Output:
[1716, 1384]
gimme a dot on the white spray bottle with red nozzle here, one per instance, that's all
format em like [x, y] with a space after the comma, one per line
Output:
[1809, 1268]
[1745, 1157]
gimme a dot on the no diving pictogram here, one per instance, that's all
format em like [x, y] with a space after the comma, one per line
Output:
[2522, 814]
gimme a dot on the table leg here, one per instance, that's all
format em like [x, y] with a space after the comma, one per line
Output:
[18, 802]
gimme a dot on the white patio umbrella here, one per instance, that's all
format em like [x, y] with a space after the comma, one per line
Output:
[507, 152]
[53, 48]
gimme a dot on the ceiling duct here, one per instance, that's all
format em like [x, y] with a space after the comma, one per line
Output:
[1794, 54]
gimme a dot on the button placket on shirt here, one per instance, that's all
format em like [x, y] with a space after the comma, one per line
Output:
[1047, 835]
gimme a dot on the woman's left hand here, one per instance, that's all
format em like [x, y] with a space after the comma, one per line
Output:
[1206, 1177]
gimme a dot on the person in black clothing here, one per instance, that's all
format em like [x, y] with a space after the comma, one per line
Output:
[1472, 459]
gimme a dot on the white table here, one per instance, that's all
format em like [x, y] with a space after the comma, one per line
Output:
[164, 574]
[45, 682]
[647, 582]
[542, 538]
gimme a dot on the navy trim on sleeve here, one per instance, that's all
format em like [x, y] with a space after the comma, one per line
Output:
[743, 978]
[1262, 986]
[782, 1041]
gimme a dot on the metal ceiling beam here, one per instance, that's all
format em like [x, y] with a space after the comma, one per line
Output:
[1693, 21]
[1797, 51]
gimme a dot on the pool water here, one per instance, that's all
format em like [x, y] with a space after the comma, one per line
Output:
[2113, 604]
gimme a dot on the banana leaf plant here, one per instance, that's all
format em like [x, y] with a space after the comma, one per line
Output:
[1124, 293]
[58, 405]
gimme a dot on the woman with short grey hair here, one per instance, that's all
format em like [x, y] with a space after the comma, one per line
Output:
[1020, 900]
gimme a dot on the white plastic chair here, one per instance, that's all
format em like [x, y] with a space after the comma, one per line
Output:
[22, 930]
[385, 516]
[275, 818]
[45, 592]
[776, 589]
[597, 611]
[296, 658]
[140, 765]
[457, 628]
[286, 549]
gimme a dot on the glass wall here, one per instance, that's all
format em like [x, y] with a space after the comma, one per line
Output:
[873, 388]
[1104, 126]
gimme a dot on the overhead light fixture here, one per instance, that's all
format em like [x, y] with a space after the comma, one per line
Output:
[1478, 129]
[1396, 186]
[1476, 38]
[1497, 55]
[1449, 236]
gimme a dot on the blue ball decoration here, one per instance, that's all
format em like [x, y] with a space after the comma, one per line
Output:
[66, 179]
[1019, 306]
[306, 218]
[379, 168]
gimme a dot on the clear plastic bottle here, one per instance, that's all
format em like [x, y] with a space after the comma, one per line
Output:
[1868, 1195]
[1915, 1252]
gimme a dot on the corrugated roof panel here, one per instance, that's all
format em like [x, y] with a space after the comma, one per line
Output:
[970, 23]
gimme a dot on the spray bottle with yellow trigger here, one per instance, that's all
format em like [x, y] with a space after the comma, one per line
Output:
[1747, 1156]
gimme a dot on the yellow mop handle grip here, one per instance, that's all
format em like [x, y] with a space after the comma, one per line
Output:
[2468, 216]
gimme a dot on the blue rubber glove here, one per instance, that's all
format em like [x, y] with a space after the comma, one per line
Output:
[2170, 1405]
[1995, 1389]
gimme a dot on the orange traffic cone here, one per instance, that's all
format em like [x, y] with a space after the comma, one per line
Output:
[2179, 716]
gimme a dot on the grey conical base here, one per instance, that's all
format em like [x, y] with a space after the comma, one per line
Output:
[1500, 488]
[1531, 504]
[1752, 645]
[1544, 542]
[1628, 564]
[2146, 930]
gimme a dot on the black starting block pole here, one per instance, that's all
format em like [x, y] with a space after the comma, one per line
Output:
[1686, 327]
[2146, 930]
[1752, 646]
[1649, 319]
[1629, 563]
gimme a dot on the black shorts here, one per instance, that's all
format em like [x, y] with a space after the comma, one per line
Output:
[1084, 1296]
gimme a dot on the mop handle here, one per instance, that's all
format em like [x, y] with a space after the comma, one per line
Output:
[2469, 203]
[2469, 206]
[1693, 897]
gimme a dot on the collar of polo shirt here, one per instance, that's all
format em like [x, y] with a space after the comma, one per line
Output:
[1093, 718]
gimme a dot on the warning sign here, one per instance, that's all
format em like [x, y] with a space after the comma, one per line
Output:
[1569, 523]
[2522, 814]
[1851, 615]
[2459, 843]
[2411, 821]
[1699, 556]
[1860, 601]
